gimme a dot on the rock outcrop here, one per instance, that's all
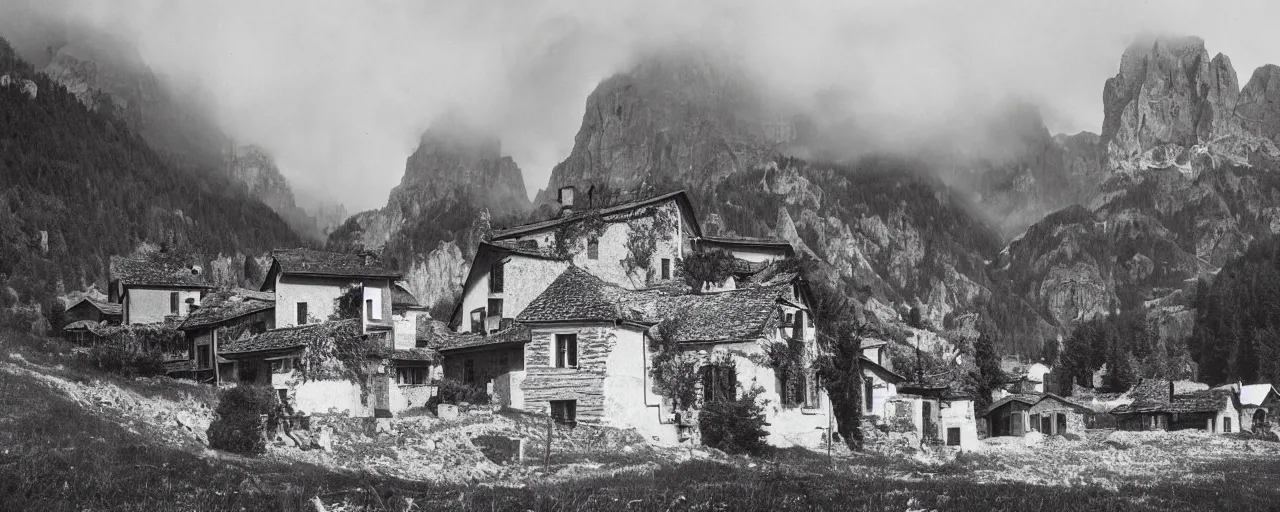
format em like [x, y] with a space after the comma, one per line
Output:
[252, 166]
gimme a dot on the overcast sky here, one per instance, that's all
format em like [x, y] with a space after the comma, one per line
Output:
[339, 91]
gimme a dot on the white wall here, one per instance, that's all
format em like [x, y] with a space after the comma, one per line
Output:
[320, 293]
[629, 401]
[406, 328]
[881, 392]
[152, 305]
[959, 414]
[524, 278]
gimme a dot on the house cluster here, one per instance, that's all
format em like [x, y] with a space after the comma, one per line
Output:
[564, 317]
[1023, 406]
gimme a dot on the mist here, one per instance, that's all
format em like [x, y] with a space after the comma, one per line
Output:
[339, 91]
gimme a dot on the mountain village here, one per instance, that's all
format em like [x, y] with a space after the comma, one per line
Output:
[565, 319]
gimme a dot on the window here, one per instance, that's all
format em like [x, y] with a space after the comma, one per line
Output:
[1035, 423]
[202, 357]
[867, 388]
[496, 277]
[173, 303]
[666, 268]
[469, 371]
[477, 320]
[797, 327]
[593, 249]
[495, 308]
[282, 365]
[411, 376]
[302, 313]
[790, 320]
[953, 436]
[1226, 425]
[368, 309]
[791, 387]
[566, 351]
[372, 303]
[565, 412]
[719, 383]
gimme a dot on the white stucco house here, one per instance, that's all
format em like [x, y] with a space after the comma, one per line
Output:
[156, 287]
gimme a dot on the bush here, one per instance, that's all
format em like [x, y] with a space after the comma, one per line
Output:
[734, 426]
[449, 391]
[239, 426]
[121, 360]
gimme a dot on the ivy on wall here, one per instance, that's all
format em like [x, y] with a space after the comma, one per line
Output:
[708, 267]
[340, 351]
[642, 239]
[674, 371]
[567, 234]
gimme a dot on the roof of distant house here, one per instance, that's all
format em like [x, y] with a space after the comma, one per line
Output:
[1208, 400]
[224, 305]
[733, 315]
[747, 241]
[1032, 398]
[447, 341]
[402, 298]
[289, 337]
[525, 249]
[312, 262]
[678, 196]
[897, 377]
[413, 354]
[106, 308]
[160, 269]
[79, 325]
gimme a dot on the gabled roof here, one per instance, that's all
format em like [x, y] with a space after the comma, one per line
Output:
[1255, 394]
[159, 269]
[881, 369]
[479, 265]
[680, 197]
[311, 262]
[289, 337]
[732, 315]
[446, 341]
[749, 242]
[402, 299]
[1209, 400]
[224, 305]
[1034, 398]
[106, 308]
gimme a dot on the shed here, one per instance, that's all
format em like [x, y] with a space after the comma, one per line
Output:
[1047, 413]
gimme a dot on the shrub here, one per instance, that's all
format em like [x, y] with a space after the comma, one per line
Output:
[734, 426]
[449, 391]
[239, 426]
[121, 360]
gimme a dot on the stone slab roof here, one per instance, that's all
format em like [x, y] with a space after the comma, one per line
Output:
[1033, 398]
[401, 298]
[311, 262]
[157, 269]
[447, 340]
[733, 315]
[224, 305]
[413, 354]
[106, 308]
[515, 247]
[534, 227]
[289, 337]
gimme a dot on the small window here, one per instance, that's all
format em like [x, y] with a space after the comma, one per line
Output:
[719, 383]
[477, 320]
[566, 351]
[282, 365]
[953, 436]
[791, 319]
[565, 412]
[368, 309]
[868, 388]
[173, 303]
[1035, 424]
[302, 313]
[411, 376]
[469, 371]
[666, 268]
[495, 308]
[496, 277]
[593, 249]
[1226, 425]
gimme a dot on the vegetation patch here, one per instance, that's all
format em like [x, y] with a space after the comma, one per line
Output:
[240, 425]
[674, 371]
[735, 426]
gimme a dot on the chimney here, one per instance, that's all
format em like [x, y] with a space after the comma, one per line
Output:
[565, 197]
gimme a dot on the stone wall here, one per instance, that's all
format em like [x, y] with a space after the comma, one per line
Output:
[1075, 418]
[585, 383]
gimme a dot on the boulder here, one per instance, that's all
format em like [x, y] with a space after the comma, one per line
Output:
[447, 412]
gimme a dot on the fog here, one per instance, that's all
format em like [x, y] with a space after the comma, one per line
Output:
[339, 91]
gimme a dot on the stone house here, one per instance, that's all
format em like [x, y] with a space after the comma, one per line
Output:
[155, 287]
[1157, 405]
[223, 315]
[504, 278]
[95, 311]
[1047, 413]
[880, 384]
[934, 413]
[633, 245]
[413, 366]
[591, 344]
[307, 284]
[959, 422]
[495, 360]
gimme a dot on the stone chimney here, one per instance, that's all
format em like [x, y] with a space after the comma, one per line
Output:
[565, 197]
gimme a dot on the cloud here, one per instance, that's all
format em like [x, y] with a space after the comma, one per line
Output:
[339, 91]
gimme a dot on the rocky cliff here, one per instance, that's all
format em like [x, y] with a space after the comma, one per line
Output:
[454, 182]
[252, 166]
[1189, 164]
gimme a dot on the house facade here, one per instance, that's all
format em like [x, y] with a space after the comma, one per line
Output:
[1046, 413]
[224, 315]
[156, 287]
[1258, 405]
[95, 311]
[1157, 406]
[307, 284]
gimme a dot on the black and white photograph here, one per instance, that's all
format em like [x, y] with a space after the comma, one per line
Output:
[661, 255]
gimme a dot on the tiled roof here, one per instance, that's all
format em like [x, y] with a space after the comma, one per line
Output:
[747, 241]
[1034, 398]
[447, 340]
[679, 196]
[401, 298]
[157, 269]
[290, 337]
[877, 366]
[1209, 400]
[80, 324]
[414, 354]
[524, 249]
[311, 262]
[224, 305]
[576, 295]
[106, 308]
[1150, 395]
